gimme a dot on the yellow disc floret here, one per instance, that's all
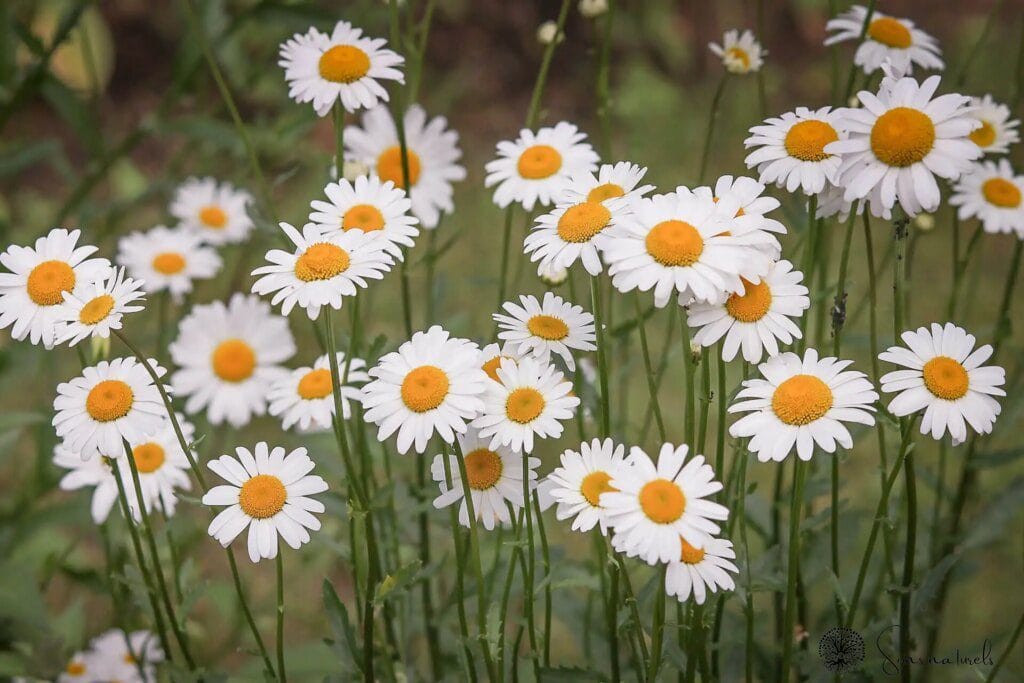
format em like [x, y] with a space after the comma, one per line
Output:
[321, 261]
[581, 222]
[263, 496]
[365, 217]
[48, 281]
[753, 304]
[96, 309]
[605, 191]
[538, 162]
[389, 166]
[109, 400]
[424, 388]
[594, 484]
[524, 405]
[344, 64]
[547, 327]
[149, 457]
[801, 399]
[984, 135]
[674, 243]
[483, 469]
[890, 32]
[1001, 192]
[213, 217]
[169, 263]
[233, 360]
[690, 554]
[662, 501]
[945, 378]
[806, 140]
[316, 384]
[902, 136]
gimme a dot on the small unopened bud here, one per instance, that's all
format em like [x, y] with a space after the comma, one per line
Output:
[924, 222]
[551, 275]
[548, 33]
[593, 8]
[853, 102]
[695, 351]
[354, 169]
[100, 348]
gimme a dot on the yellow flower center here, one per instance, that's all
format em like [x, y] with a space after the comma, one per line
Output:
[491, 367]
[539, 161]
[109, 400]
[262, 496]
[738, 55]
[674, 243]
[424, 388]
[524, 405]
[344, 64]
[365, 217]
[233, 360]
[753, 304]
[389, 166]
[984, 135]
[96, 309]
[801, 399]
[605, 191]
[581, 222]
[547, 327]
[321, 261]
[316, 384]
[213, 217]
[48, 281]
[946, 378]
[690, 554]
[662, 501]
[169, 263]
[75, 669]
[889, 32]
[483, 469]
[902, 136]
[148, 457]
[594, 484]
[1001, 192]
[806, 140]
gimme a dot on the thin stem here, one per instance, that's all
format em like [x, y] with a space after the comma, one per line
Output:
[529, 567]
[689, 372]
[602, 359]
[652, 386]
[281, 676]
[264, 654]
[852, 74]
[1006, 653]
[611, 602]
[716, 101]
[793, 563]
[908, 565]
[545, 66]
[657, 625]
[809, 263]
[506, 242]
[546, 559]
[602, 89]
[339, 140]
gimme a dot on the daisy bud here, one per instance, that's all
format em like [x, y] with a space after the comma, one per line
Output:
[351, 170]
[593, 8]
[100, 347]
[551, 275]
[853, 102]
[924, 222]
[695, 351]
[548, 33]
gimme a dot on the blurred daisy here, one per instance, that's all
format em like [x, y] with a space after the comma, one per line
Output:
[887, 39]
[342, 66]
[32, 292]
[946, 379]
[992, 193]
[216, 212]
[537, 167]
[117, 656]
[492, 354]
[900, 140]
[532, 398]
[656, 507]
[494, 476]
[323, 269]
[576, 486]
[997, 131]
[95, 308]
[831, 202]
[108, 402]
[700, 570]
[741, 54]
[550, 274]
[802, 402]
[790, 149]
[78, 668]
[756, 319]
[378, 209]
[268, 492]
[612, 181]
[228, 358]
[306, 396]
[166, 259]
[540, 329]
[432, 383]
[433, 153]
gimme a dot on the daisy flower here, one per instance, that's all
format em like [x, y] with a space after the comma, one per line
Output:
[494, 475]
[492, 355]
[756, 319]
[117, 656]
[323, 269]
[537, 167]
[991, 192]
[166, 259]
[531, 398]
[802, 402]
[997, 132]
[108, 402]
[946, 379]
[550, 274]
[700, 570]
[228, 358]
[433, 153]
[378, 209]
[268, 492]
[94, 309]
[540, 329]
[743, 207]
[78, 668]
[656, 507]
[432, 383]
[612, 181]
[900, 140]
[342, 66]
[576, 486]
[741, 54]
[32, 292]
[216, 212]
[887, 39]
[790, 149]
[306, 396]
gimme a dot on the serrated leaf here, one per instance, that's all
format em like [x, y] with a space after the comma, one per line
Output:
[395, 584]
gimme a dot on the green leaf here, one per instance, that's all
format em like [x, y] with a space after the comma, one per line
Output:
[337, 615]
[397, 583]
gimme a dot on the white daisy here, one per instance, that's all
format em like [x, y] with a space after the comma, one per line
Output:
[433, 153]
[890, 39]
[802, 402]
[492, 354]
[531, 398]
[117, 656]
[342, 66]
[379, 209]
[228, 358]
[945, 379]
[791, 149]
[749, 222]
[166, 259]
[78, 669]
[997, 131]
[108, 402]
[992, 192]
[268, 492]
[306, 396]
[217, 213]
[323, 269]
[537, 167]
[654, 508]
[494, 475]
[583, 476]
[94, 309]
[741, 54]
[540, 329]
[31, 293]
[550, 274]
[699, 570]
[433, 382]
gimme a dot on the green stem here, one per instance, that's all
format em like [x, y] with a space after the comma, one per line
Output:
[792, 565]
[611, 602]
[1006, 653]
[657, 625]
[506, 243]
[716, 101]
[603, 87]
[652, 386]
[240, 591]
[339, 141]
[908, 565]
[281, 676]
[689, 373]
[529, 567]
[852, 74]
[809, 263]
[545, 66]
[545, 552]
[602, 360]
